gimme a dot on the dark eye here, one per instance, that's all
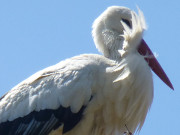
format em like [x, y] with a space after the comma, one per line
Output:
[127, 22]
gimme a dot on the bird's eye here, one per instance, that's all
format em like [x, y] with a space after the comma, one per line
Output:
[127, 22]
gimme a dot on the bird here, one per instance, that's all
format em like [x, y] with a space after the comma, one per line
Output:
[90, 94]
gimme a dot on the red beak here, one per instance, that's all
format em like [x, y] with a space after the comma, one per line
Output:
[153, 63]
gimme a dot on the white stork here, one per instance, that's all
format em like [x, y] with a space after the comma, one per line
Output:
[89, 94]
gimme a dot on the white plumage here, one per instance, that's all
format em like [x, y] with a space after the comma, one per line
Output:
[116, 90]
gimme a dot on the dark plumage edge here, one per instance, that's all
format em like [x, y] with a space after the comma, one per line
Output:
[42, 122]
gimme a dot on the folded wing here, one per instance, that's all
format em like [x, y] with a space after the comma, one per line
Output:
[50, 98]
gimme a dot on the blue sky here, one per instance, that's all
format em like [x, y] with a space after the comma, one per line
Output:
[36, 34]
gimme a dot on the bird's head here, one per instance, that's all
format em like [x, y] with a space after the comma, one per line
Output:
[118, 31]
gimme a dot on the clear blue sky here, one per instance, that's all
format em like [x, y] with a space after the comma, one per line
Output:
[39, 33]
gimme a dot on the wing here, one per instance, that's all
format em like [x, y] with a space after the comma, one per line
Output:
[52, 97]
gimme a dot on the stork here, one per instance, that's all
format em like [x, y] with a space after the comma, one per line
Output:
[89, 94]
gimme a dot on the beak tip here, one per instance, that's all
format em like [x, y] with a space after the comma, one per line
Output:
[171, 86]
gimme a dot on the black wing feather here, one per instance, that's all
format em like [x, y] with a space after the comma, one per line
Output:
[42, 122]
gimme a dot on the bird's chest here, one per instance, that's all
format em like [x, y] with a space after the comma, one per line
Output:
[124, 101]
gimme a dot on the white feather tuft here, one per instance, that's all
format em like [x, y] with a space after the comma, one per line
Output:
[132, 37]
